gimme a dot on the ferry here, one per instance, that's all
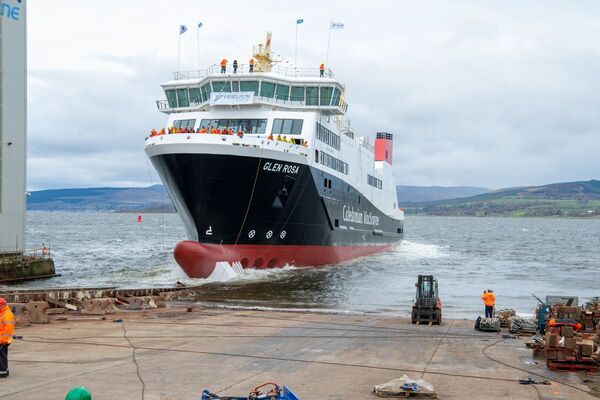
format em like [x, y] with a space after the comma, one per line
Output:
[265, 169]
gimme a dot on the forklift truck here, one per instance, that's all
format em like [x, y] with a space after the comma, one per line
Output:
[427, 308]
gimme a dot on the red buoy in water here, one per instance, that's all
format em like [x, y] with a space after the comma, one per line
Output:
[139, 218]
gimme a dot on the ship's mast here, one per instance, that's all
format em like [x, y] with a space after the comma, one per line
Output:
[262, 54]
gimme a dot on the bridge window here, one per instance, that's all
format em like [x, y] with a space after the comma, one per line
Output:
[206, 91]
[282, 92]
[249, 86]
[235, 86]
[195, 95]
[287, 126]
[325, 95]
[182, 98]
[221, 86]
[312, 95]
[267, 89]
[297, 93]
[336, 97]
[171, 98]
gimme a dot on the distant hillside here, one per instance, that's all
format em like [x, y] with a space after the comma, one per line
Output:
[419, 194]
[571, 199]
[152, 198]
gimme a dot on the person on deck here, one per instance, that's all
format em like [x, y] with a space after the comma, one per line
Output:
[223, 65]
[322, 70]
[7, 330]
[235, 66]
[489, 299]
[251, 64]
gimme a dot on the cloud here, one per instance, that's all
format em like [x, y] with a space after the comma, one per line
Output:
[488, 94]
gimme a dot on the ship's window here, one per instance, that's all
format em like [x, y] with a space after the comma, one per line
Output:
[206, 90]
[267, 89]
[326, 95]
[235, 86]
[195, 95]
[329, 183]
[277, 123]
[316, 156]
[182, 98]
[336, 97]
[312, 95]
[221, 86]
[287, 126]
[334, 163]
[184, 123]
[297, 126]
[297, 93]
[282, 92]
[328, 137]
[400, 230]
[371, 180]
[171, 98]
[325, 182]
[337, 223]
[245, 125]
[249, 86]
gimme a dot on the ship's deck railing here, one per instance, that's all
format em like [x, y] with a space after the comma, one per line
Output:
[340, 108]
[247, 140]
[215, 70]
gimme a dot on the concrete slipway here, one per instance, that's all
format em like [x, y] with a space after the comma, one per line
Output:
[320, 356]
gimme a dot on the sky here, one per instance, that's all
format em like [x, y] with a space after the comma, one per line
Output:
[478, 93]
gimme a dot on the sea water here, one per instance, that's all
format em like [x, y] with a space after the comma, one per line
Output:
[514, 257]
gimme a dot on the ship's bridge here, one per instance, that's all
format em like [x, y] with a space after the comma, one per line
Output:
[282, 87]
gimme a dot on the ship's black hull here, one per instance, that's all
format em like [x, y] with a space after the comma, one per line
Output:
[264, 212]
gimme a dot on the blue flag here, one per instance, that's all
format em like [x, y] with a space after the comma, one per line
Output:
[299, 21]
[200, 24]
[182, 29]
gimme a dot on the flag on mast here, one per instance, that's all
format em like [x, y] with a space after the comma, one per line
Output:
[337, 25]
[182, 29]
[299, 21]
[200, 24]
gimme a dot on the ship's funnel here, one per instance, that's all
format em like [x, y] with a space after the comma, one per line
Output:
[384, 147]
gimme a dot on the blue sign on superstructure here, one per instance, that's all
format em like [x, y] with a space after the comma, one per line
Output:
[10, 11]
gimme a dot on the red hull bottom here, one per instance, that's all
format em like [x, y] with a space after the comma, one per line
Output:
[198, 260]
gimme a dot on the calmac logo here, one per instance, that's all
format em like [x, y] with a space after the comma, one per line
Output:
[10, 9]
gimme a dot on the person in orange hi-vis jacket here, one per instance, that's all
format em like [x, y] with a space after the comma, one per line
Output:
[7, 330]
[489, 299]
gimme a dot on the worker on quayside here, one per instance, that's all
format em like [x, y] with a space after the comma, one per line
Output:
[7, 330]
[489, 299]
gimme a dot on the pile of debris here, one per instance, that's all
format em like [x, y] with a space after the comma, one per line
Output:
[568, 350]
[572, 336]
[522, 326]
[33, 306]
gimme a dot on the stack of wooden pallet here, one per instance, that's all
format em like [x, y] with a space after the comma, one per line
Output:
[568, 350]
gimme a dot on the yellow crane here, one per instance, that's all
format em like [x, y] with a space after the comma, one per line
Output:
[262, 55]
